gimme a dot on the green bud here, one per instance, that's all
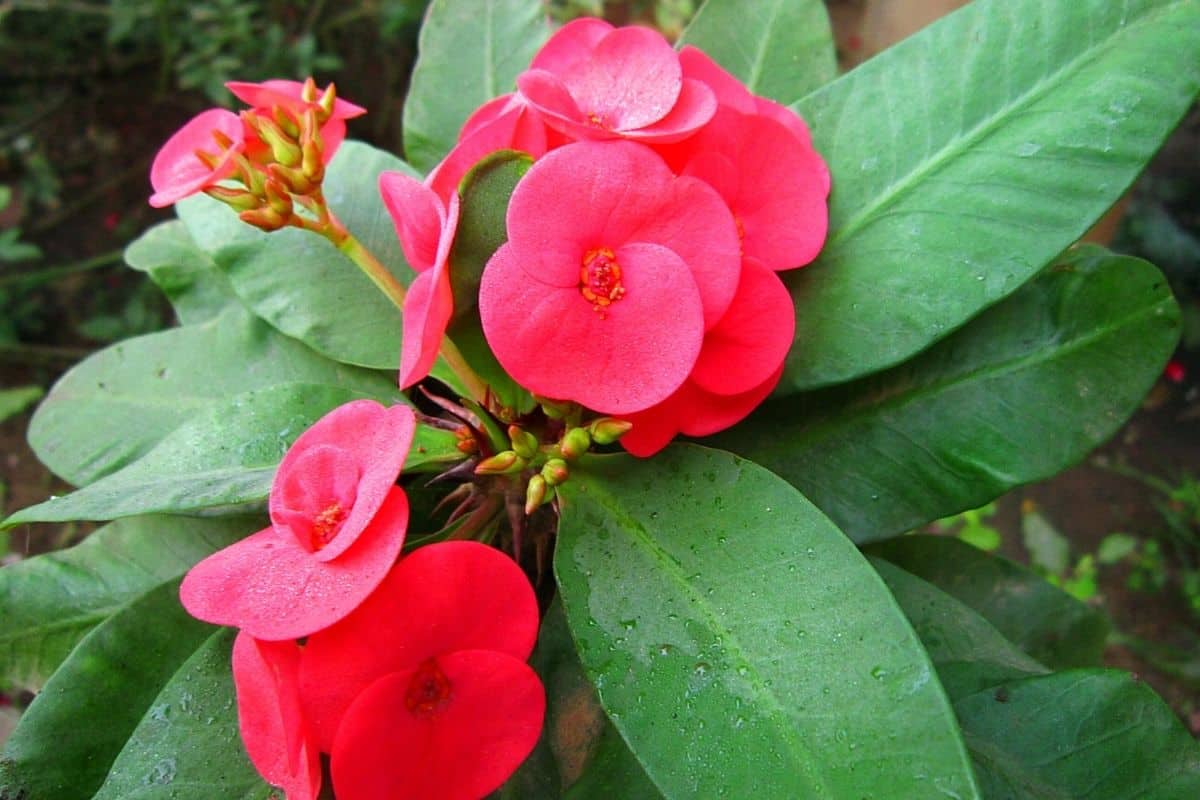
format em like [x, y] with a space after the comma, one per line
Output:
[503, 463]
[265, 218]
[237, 199]
[286, 122]
[283, 148]
[524, 443]
[278, 197]
[293, 179]
[607, 430]
[575, 443]
[555, 471]
[536, 494]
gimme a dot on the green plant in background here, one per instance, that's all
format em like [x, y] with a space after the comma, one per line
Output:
[972, 527]
[1050, 554]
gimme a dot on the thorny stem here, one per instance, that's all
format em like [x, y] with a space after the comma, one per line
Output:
[332, 229]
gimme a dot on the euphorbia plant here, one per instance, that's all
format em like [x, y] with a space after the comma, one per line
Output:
[454, 385]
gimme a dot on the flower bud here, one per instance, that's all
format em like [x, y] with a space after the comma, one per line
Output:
[575, 443]
[295, 181]
[284, 150]
[278, 197]
[265, 218]
[326, 103]
[505, 462]
[536, 493]
[524, 443]
[555, 471]
[607, 430]
[237, 199]
[286, 121]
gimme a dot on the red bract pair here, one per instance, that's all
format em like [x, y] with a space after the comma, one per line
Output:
[412, 676]
[421, 693]
[204, 151]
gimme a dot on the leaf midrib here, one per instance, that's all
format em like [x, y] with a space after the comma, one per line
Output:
[760, 56]
[985, 127]
[780, 718]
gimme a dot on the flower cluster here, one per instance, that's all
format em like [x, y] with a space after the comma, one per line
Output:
[639, 275]
[411, 675]
[277, 150]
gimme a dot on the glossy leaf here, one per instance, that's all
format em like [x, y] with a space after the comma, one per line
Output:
[781, 49]
[468, 53]
[1044, 621]
[1021, 393]
[1086, 734]
[739, 641]
[72, 732]
[966, 157]
[113, 407]
[969, 653]
[299, 282]
[190, 279]
[49, 602]
[223, 457]
[187, 746]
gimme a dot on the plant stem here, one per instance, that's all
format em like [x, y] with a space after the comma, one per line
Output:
[34, 278]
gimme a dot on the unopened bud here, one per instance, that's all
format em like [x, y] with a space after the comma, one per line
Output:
[326, 103]
[251, 177]
[524, 443]
[293, 179]
[555, 471]
[312, 146]
[575, 443]
[286, 121]
[555, 409]
[207, 158]
[308, 92]
[265, 218]
[607, 430]
[535, 493]
[278, 197]
[505, 462]
[284, 149]
[237, 199]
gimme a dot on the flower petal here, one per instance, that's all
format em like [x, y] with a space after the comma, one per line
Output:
[288, 94]
[427, 309]
[729, 91]
[274, 589]
[461, 751]
[418, 215]
[615, 360]
[376, 438]
[177, 172]
[440, 598]
[632, 80]
[269, 717]
[750, 342]
[571, 44]
[703, 413]
[693, 110]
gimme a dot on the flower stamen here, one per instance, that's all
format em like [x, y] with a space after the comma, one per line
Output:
[600, 279]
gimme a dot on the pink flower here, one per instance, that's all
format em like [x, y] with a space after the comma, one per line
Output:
[426, 218]
[272, 726]
[613, 270]
[593, 81]
[739, 364]
[337, 524]
[178, 172]
[759, 157]
[423, 691]
[262, 97]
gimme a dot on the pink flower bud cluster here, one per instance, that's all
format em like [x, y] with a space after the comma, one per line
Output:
[639, 278]
[411, 676]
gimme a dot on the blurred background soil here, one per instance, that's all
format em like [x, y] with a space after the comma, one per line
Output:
[90, 90]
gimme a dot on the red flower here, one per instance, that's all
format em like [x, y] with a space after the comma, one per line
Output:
[178, 171]
[271, 723]
[261, 97]
[593, 81]
[337, 525]
[423, 691]
[615, 266]
[740, 363]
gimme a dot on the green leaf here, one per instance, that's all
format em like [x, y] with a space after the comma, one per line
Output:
[739, 641]
[968, 652]
[14, 401]
[1115, 547]
[299, 282]
[1044, 621]
[190, 279]
[613, 771]
[49, 602]
[72, 732]
[781, 49]
[223, 457]
[468, 53]
[1024, 391]
[117, 404]
[485, 191]
[187, 746]
[967, 156]
[1094, 734]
